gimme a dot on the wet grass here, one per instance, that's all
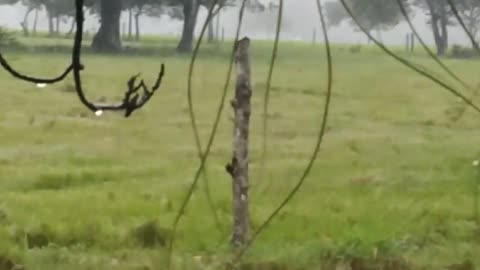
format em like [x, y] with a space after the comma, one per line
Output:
[392, 188]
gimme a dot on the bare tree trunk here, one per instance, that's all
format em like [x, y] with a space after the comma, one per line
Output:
[444, 24]
[35, 22]
[211, 32]
[57, 26]
[217, 30]
[130, 24]
[238, 168]
[107, 38]
[24, 23]
[190, 11]
[439, 26]
[51, 28]
[137, 24]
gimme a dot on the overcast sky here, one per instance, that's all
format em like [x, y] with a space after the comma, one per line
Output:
[300, 20]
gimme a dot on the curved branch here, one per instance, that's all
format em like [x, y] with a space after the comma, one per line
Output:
[405, 62]
[132, 100]
[4, 63]
[211, 14]
[426, 48]
[321, 133]
[464, 26]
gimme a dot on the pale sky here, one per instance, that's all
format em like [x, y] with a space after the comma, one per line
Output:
[300, 20]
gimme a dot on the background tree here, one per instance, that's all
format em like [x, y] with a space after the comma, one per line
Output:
[379, 15]
[107, 39]
[470, 12]
[335, 13]
[439, 18]
[190, 15]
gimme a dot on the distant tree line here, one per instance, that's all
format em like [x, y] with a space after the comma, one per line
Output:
[381, 15]
[108, 36]
[375, 15]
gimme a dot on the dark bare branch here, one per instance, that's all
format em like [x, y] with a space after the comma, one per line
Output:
[4, 63]
[133, 100]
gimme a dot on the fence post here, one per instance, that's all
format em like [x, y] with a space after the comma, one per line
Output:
[238, 168]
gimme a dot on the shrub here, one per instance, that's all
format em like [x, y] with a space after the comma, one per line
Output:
[462, 52]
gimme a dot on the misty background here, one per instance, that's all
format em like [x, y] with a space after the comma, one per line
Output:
[300, 21]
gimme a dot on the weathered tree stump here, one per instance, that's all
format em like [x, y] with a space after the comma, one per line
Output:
[238, 168]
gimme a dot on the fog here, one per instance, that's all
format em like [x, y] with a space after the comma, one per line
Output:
[300, 21]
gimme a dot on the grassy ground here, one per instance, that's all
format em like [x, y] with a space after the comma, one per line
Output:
[393, 184]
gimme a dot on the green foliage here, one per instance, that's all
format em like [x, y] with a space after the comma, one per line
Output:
[373, 14]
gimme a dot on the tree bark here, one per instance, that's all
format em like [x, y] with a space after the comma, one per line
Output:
[211, 32]
[217, 30]
[190, 11]
[35, 22]
[24, 23]
[51, 28]
[439, 23]
[238, 168]
[57, 26]
[130, 24]
[107, 38]
[444, 24]
[137, 24]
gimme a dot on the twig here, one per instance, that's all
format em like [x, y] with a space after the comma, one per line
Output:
[132, 100]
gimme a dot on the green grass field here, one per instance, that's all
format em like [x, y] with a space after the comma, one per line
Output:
[393, 184]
